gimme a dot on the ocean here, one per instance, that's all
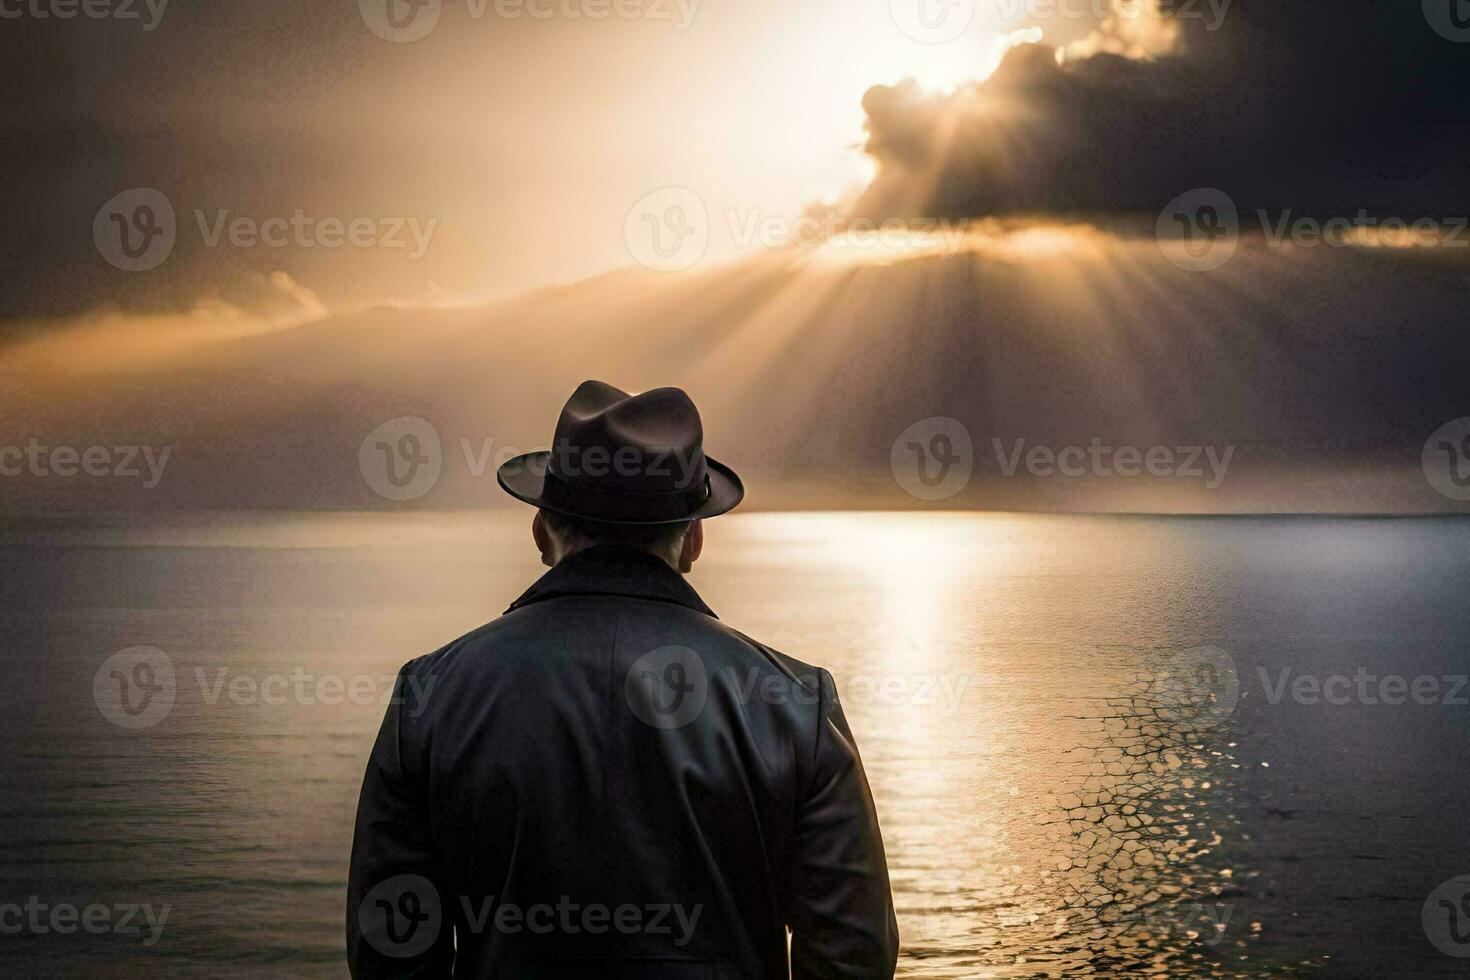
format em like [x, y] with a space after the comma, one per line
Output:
[1111, 746]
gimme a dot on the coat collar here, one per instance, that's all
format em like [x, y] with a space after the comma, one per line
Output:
[610, 570]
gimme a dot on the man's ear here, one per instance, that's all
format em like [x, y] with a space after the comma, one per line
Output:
[543, 540]
[693, 545]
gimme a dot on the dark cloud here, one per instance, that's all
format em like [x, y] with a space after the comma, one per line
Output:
[1308, 106]
[255, 108]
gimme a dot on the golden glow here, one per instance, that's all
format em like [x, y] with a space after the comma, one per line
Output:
[980, 733]
[891, 242]
[1424, 234]
[972, 57]
[819, 87]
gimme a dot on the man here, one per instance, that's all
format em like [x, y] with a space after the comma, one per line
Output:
[607, 782]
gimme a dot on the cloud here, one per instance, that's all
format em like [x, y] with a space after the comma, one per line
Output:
[806, 371]
[1133, 29]
[110, 340]
[1322, 109]
[1096, 133]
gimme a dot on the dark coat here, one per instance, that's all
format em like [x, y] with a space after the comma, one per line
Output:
[608, 782]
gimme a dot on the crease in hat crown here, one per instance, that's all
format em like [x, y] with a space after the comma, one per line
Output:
[663, 418]
[631, 441]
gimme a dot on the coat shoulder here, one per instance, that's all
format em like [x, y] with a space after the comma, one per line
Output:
[508, 633]
[809, 676]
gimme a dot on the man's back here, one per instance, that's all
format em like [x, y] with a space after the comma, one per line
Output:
[608, 782]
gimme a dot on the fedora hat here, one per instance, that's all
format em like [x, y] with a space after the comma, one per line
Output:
[625, 459]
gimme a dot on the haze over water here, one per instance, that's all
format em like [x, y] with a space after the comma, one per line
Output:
[1049, 804]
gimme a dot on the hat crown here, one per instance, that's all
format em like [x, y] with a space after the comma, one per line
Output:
[608, 439]
[625, 459]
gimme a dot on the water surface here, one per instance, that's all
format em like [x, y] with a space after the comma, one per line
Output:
[1055, 801]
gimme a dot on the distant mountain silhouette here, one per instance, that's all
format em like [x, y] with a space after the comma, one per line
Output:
[1325, 369]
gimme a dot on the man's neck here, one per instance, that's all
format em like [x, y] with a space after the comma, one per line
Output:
[564, 554]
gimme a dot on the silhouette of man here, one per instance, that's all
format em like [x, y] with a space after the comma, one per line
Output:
[606, 781]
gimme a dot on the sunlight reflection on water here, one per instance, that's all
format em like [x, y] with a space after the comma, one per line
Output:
[1041, 802]
[1052, 801]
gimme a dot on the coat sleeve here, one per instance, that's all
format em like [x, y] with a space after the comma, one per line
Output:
[398, 922]
[842, 918]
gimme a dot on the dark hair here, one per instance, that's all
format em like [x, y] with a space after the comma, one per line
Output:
[585, 533]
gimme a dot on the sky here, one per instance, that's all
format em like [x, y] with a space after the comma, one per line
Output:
[527, 140]
[517, 143]
[459, 211]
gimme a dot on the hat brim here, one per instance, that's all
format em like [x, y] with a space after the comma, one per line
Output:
[524, 478]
